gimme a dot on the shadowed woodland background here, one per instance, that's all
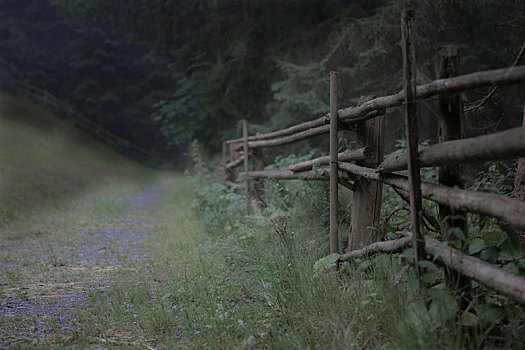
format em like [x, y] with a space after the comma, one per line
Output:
[161, 73]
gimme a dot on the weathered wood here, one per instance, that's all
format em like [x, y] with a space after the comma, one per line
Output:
[223, 162]
[345, 183]
[346, 156]
[412, 138]
[508, 209]
[394, 246]
[294, 129]
[376, 106]
[232, 172]
[503, 76]
[491, 276]
[334, 224]
[259, 159]
[366, 207]
[235, 163]
[481, 271]
[451, 174]
[258, 186]
[246, 167]
[508, 144]
[285, 132]
[300, 136]
[322, 174]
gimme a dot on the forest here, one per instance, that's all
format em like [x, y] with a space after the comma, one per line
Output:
[130, 214]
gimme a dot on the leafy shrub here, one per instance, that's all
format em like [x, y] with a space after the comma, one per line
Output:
[218, 206]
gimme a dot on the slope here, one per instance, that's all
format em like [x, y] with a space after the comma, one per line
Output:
[44, 161]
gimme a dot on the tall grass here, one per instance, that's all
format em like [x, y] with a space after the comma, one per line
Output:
[279, 259]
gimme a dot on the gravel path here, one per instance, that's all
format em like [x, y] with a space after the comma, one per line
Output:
[45, 309]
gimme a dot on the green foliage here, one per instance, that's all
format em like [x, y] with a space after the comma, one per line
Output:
[218, 206]
[182, 117]
[284, 254]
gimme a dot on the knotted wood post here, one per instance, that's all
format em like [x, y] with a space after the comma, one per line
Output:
[246, 167]
[412, 137]
[366, 207]
[451, 174]
[334, 237]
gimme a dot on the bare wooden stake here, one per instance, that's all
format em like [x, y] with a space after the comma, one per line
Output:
[246, 167]
[452, 173]
[412, 136]
[334, 224]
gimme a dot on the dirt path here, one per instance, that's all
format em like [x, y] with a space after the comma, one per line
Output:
[47, 278]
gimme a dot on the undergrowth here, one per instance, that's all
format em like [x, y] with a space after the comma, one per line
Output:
[280, 261]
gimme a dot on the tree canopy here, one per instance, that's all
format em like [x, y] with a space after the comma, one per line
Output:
[195, 68]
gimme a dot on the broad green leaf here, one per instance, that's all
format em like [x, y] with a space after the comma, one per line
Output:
[429, 278]
[326, 263]
[509, 251]
[494, 238]
[428, 265]
[490, 314]
[490, 254]
[417, 316]
[456, 231]
[443, 309]
[468, 319]
[476, 245]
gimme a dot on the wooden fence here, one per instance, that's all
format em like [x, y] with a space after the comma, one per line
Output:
[363, 170]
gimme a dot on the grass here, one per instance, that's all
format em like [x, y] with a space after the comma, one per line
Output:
[230, 283]
[46, 161]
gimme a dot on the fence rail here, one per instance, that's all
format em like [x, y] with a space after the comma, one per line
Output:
[370, 171]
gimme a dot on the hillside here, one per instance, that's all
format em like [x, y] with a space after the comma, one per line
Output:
[45, 161]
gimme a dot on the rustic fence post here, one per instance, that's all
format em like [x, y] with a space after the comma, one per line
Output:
[366, 207]
[223, 162]
[259, 183]
[451, 174]
[246, 167]
[233, 173]
[412, 137]
[334, 225]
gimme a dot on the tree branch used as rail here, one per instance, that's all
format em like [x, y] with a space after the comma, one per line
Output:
[376, 106]
[493, 277]
[322, 174]
[346, 156]
[508, 209]
[506, 144]
[462, 82]
[234, 163]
